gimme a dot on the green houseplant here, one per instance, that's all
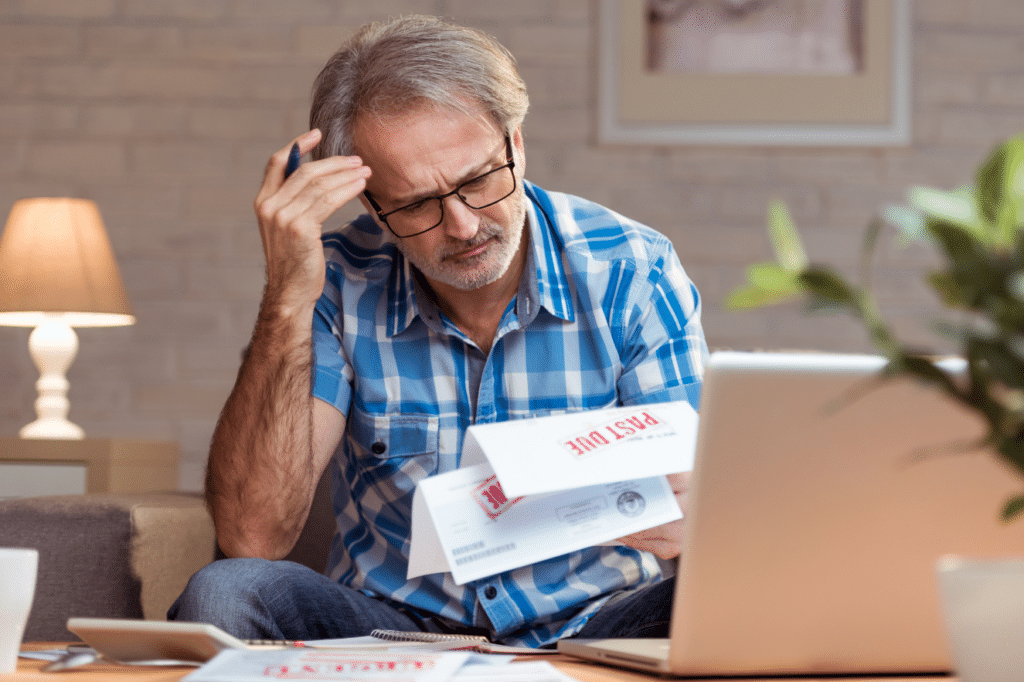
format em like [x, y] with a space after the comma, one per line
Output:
[979, 232]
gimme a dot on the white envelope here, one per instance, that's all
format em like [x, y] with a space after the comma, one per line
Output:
[552, 485]
[464, 524]
[545, 454]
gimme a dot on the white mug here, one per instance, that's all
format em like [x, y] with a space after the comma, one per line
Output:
[17, 588]
[983, 604]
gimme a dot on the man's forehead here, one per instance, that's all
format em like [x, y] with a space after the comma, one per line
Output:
[419, 152]
[371, 133]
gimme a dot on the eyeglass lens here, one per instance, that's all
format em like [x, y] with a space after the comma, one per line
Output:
[480, 192]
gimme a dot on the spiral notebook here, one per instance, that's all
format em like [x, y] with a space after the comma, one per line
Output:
[476, 643]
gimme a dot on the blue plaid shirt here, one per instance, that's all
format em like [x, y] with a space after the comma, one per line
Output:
[604, 316]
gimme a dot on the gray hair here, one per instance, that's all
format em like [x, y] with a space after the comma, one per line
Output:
[387, 68]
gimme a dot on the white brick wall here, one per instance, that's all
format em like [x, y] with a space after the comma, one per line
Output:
[165, 112]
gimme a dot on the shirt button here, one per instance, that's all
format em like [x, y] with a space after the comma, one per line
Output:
[491, 592]
[378, 448]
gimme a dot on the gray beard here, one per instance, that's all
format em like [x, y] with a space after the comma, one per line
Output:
[507, 245]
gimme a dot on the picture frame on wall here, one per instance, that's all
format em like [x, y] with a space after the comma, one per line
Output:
[754, 72]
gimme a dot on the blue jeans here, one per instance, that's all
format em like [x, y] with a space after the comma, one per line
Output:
[260, 599]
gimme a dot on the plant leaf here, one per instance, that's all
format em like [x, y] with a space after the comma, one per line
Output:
[1015, 285]
[990, 179]
[911, 223]
[750, 297]
[768, 284]
[956, 240]
[947, 288]
[789, 249]
[1002, 363]
[946, 330]
[828, 284]
[926, 370]
[958, 207]
[1013, 508]
[1000, 182]
[773, 278]
[1011, 449]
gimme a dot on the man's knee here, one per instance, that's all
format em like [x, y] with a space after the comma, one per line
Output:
[217, 588]
[259, 599]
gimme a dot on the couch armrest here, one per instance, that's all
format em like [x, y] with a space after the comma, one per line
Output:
[107, 555]
[173, 539]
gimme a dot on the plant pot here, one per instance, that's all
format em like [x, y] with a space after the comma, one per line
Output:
[983, 604]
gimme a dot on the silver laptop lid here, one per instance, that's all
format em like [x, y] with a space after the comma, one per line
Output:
[815, 520]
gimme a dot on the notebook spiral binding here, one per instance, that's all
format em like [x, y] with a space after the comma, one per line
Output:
[401, 636]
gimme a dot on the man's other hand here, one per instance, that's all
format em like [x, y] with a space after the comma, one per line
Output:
[665, 541]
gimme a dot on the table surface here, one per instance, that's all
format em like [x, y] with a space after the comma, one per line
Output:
[30, 670]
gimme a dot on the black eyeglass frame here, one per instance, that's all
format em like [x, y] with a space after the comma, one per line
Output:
[510, 164]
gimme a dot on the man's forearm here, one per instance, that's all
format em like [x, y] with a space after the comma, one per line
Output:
[260, 475]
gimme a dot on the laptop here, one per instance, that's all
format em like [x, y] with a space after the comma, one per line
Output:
[820, 502]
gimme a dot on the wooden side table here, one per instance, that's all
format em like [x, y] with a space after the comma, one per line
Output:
[111, 465]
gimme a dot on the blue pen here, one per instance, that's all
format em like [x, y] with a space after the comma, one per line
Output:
[293, 160]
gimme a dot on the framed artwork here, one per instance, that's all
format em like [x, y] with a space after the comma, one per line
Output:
[755, 72]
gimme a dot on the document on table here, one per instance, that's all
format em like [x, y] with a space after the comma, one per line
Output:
[472, 523]
[532, 671]
[241, 665]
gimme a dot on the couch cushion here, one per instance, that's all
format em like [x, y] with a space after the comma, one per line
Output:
[113, 556]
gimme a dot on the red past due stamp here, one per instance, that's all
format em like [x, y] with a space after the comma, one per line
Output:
[492, 499]
[620, 429]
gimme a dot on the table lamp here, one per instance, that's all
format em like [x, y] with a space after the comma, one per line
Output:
[57, 271]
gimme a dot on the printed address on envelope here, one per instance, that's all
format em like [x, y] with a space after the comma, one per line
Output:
[481, 531]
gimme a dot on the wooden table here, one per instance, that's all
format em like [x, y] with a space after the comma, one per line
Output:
[29, 671]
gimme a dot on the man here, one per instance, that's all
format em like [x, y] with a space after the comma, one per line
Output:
[467, 296]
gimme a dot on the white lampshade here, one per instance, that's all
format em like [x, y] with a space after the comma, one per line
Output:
[57, 271]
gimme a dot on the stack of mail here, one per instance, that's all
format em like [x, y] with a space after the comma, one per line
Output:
[529, 490]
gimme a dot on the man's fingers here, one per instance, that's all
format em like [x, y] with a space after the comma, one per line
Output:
[291, 214]
[273, 174]
[680, 482]
[664, 541]
[328, 184]
[322, 190]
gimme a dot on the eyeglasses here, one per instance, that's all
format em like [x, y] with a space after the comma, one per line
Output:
[424, 215]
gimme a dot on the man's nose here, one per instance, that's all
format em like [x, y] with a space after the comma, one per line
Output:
[460, 221]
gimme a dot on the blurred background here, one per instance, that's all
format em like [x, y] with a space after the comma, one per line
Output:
[164, 112]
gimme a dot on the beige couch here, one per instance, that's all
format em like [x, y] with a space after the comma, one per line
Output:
[124, 555]
[128, 555]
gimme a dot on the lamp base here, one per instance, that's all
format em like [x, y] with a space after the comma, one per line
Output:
[57, 429]
[53, 346]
